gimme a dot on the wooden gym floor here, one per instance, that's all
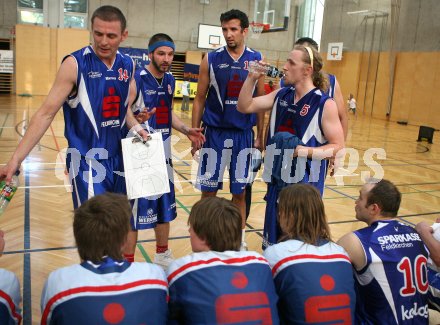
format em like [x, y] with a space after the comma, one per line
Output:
[37, 223]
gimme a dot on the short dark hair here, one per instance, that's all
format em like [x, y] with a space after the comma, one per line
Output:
[101, 225]
[301, 214]
[386, 195]
[110, 13]
[159, 38]
[307, 40]
[235, 14]
[218, 222]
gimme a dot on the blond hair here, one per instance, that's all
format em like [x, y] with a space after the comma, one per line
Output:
[301, 214]
[312, 57]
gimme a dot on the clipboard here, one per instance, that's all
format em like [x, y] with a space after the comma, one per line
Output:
[146, 171]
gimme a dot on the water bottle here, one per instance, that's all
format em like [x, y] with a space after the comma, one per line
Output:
[7, 191]
[269, 70]
[255, 164]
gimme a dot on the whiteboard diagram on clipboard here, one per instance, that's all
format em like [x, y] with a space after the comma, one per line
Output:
[145, 167]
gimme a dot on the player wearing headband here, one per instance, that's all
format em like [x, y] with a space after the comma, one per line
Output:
[154, 100]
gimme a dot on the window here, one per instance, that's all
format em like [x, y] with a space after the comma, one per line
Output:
[309, 22]
[75, 13]
[30, 12]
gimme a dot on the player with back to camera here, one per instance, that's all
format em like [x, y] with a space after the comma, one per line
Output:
[313, 275]
[10, 297]
[104, 288]
[218, 283]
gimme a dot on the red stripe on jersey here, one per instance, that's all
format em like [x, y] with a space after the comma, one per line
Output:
[308, 256]
[73, 291]
[213, 260]
[11, 304]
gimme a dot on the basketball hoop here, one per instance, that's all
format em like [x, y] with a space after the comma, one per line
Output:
[256, 30]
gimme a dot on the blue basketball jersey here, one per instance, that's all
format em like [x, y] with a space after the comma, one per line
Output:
[332, 85]
[151, 94]
[393, 285]
[10, 312]
[302, 119]
[314, 283]
[434, 286]
[226, 79]
[222, 288]
[95, 115]
[108, 293]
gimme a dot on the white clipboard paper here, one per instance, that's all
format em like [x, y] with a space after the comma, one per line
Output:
[145, 167]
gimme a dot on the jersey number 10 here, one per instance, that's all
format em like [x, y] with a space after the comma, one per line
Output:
[416, 278]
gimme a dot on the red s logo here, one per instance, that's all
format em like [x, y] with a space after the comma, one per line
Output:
[110, 104]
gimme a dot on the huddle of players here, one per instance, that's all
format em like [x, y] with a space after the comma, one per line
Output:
[305, 278]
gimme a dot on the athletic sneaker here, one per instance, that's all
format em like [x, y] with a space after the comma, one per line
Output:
[164, 259]
[243, 246]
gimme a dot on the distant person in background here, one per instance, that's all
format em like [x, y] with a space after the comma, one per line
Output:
[185, 94]
[269, 87]
[218, 283]
[104, 288]
[351, 104]
[10, 312]
[313, 275]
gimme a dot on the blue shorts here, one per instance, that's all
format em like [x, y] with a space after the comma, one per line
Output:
[271, 231]
[223, 148]
[90, 177]
[148, 212]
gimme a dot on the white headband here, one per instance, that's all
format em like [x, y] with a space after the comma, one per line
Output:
[309, 50]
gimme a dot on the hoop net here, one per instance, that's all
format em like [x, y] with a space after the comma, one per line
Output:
[256, 30]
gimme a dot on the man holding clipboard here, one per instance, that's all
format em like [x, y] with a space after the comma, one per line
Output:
[154, 98]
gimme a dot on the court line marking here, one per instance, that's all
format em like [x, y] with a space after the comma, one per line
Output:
[144, 253]
[27, 284]
[182, 206]
[4, 123]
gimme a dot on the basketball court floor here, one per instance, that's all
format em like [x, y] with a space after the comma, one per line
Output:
[37, 222]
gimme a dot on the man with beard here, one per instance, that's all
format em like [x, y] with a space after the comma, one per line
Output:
[153, 105]
[228, 132]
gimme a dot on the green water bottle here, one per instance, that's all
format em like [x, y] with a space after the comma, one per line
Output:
[7, 191]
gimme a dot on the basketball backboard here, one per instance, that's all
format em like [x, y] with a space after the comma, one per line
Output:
[275, 13]
[210, 37]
